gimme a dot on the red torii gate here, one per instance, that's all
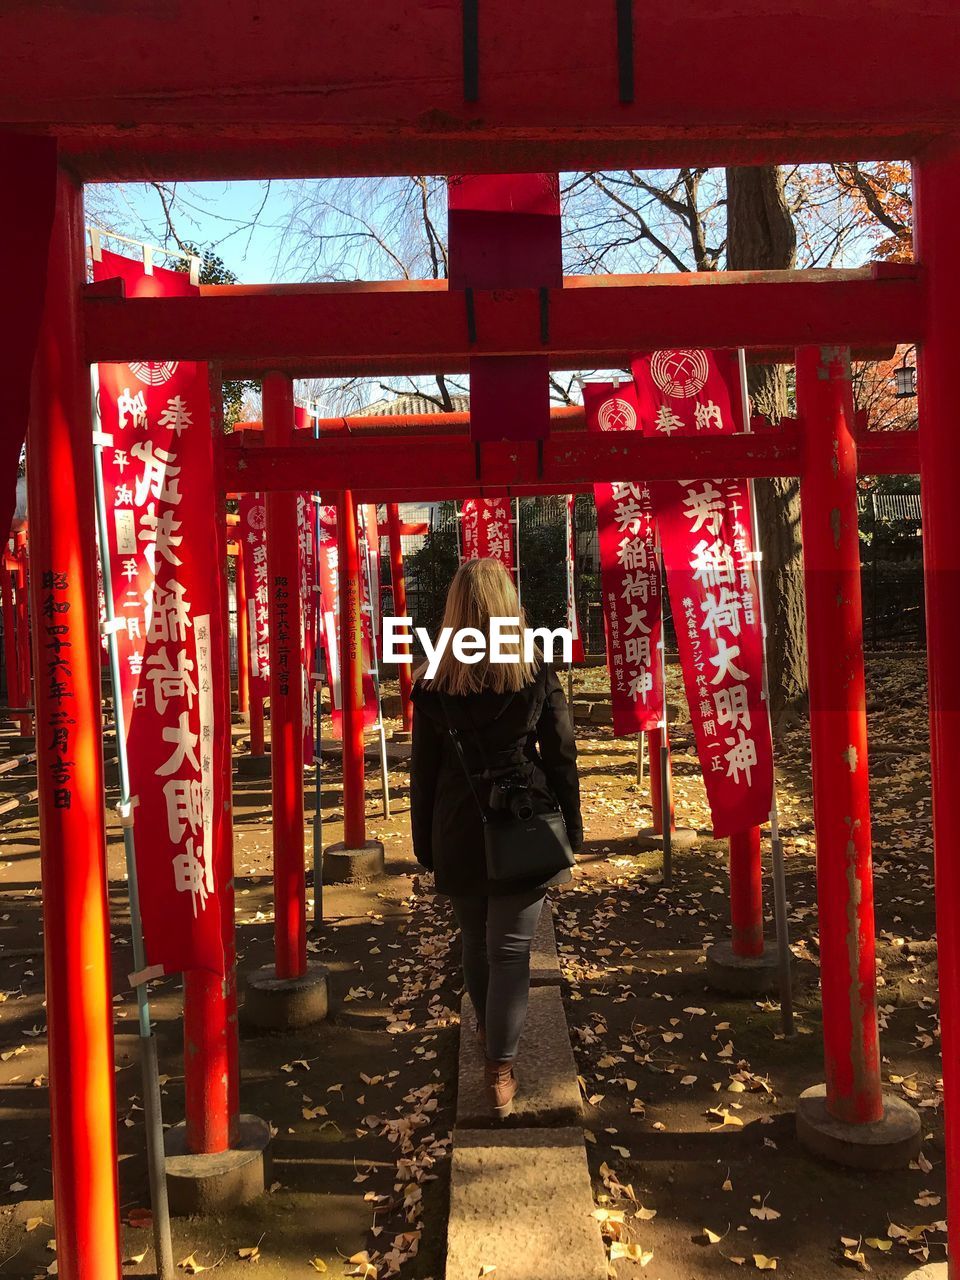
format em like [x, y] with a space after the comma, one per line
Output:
[458, 103]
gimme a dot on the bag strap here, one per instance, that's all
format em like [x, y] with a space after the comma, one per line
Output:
[455, 737]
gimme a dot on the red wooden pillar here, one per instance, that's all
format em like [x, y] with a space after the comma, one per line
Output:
[256, 724]
[70, 770]
[9, 633]
[937, 181]
[746, 894]
[399, 581]
[286, 697]
[22, 618]
[210, 1030]
[243, 636]
[655, 740]
[351, 673]
[838, 734]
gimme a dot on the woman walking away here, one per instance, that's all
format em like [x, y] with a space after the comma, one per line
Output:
[495, 808]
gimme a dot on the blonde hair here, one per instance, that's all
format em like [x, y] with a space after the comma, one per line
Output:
[481, 590]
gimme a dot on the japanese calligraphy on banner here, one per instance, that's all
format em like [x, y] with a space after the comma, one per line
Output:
[706, 535]
[158, 479]
[573, 621]
[328, 570]
[307, 616]
[486, 531]
[253, 542]
[629, 574]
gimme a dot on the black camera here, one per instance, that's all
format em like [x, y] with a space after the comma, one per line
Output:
[510, 795]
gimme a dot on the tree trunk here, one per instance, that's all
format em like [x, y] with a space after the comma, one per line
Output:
[761, 236]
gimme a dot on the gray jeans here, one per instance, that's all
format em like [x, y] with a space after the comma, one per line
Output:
[496, 933]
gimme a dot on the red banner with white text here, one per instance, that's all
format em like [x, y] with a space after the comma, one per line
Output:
[486, 531]
[573, 620]
[706, 535]
[328, 570]
[253, 540]
[630, 576]
[159, 483]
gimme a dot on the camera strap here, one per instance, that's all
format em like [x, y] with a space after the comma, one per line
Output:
[455, 738]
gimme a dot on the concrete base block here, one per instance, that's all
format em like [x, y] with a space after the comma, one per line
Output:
[252, 766]
[544, 961]
[651, 838]
[932, 1271]
[889, 1143]
[402, 736]
[548, 1092]
[283, 1004]
[521, 1204]
[742, 975]
[351, 866]
[212, 1183]
[238, 717]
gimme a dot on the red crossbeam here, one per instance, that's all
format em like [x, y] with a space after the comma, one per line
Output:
[422, 327]
[410, 467]
[300, 88]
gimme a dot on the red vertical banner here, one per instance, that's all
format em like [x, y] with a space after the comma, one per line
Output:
[486, 531]
[706, 534]
[573, 619]
[307, 606]
[630, 576]
[253, 541]
[328, 570]
[159, 482]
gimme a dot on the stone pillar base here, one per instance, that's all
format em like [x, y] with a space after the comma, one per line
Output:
[402, 736]
[283, 1004]
[352, 866]
[742, 975]
[889, 1143]
[212, 1183]
[253, 766]
[651, 838]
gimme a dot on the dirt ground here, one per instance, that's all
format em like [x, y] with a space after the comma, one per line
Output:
[689, 1097]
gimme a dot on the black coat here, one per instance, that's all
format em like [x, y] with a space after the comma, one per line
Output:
[530, 728]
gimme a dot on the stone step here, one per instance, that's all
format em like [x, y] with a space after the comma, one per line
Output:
[548, 1093]
[520, 1201]
[544, 964]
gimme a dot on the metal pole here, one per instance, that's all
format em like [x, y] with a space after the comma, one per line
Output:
[666, 778]
[780, 909]
[516, 548]
[153, 1116]
[374, 640]
[76, 927]
[838, 735]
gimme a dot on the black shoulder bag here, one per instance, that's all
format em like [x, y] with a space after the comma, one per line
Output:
[519, 844]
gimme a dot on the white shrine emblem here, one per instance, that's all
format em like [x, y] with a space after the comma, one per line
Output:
[680, 374]
[154, 373]
[616, 415]
[257, 516]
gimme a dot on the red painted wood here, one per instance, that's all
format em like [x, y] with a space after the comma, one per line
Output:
[398, 581]
[286, 698]
[593, 321]
[11, 669]
[746, 893]
[838, 735]
[937, 190]
[243, 637]
[351, 673]
[405, 468]
[379, 89]
[73, 856]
